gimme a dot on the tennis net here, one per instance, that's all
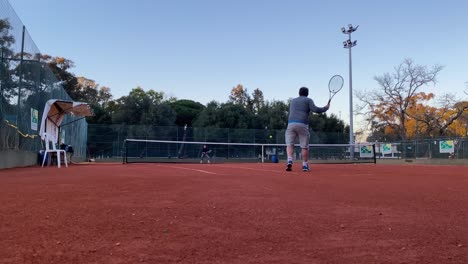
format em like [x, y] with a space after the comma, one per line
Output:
[143, 150]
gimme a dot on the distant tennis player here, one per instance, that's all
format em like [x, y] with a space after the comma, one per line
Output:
[298, 126]
[204, 154]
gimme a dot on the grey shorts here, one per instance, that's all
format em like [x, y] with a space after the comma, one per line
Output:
[296, 130]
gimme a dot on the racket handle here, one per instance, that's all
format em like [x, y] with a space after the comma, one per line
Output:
[329, 100]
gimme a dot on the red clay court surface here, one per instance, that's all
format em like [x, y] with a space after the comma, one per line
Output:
[234, 213]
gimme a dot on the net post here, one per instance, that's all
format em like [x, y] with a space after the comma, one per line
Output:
[263, 157]
[375, 154]
[124, 158]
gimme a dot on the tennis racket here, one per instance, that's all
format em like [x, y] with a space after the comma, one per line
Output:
[334, 85]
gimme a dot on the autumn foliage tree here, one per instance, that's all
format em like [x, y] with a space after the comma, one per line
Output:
[426, 116]
[387, 106]
[445, 117]
[239, 96]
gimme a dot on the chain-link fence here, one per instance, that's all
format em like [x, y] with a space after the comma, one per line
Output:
[26, 84]
[433, 148]
[105, 141]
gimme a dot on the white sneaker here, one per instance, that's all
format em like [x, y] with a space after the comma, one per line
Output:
[201, 161]
[209, 162]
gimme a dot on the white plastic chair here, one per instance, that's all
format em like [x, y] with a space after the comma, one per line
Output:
[49, 142]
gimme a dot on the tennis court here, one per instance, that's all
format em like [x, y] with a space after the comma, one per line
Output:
[234, 213]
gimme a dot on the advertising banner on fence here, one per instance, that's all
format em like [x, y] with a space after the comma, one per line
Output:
[34, 119]
[446, 146]
[366, 151]
[386, 148]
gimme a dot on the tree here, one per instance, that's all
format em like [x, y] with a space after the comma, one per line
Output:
[186, 111]
[258, 101]
[234, 116]
[239, 96]
[208, 116]
[379, 134]
[6, 39]
[388, 105]
[434, 121]
[104, 95]
[87, 90]
[6, 52]
[101, 116]
[328, 129]
[7, 137]
[60, 67]
[460, 126]
[143, 108]
[274, 115]
[227, 115]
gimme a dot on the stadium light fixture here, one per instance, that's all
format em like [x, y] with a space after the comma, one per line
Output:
[349, 44]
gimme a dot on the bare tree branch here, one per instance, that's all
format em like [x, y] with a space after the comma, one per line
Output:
[389, 104]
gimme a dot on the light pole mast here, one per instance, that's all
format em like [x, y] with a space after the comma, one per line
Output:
[348, 44]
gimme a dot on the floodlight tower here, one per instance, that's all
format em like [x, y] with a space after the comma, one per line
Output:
[348, 44]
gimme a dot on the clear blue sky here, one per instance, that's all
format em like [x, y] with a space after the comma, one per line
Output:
[200, 49]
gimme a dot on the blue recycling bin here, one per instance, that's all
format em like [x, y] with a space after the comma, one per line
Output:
[274, 159]
[40, 157]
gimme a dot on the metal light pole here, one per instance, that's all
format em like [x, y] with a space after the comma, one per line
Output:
[348, 44]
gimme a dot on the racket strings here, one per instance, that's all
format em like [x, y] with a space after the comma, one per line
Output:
[335, 90]
[335, 84]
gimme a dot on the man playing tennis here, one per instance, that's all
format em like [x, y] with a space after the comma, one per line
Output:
[298, 126]
[204, 154]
